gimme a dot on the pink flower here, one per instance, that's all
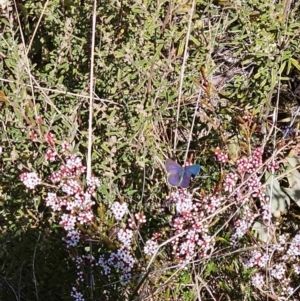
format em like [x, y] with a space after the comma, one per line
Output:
[33, 136]
[30, 179]
[119, 210]
[221, 156]
[49, 138]
[50, 155]
[65, 146]
[39, 120]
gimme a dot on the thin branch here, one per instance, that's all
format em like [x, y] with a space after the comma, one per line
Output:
[89, 155]
[182, 71]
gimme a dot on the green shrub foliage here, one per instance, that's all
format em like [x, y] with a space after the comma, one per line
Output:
[213, 83]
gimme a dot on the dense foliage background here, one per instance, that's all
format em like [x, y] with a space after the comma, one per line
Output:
[209, 82]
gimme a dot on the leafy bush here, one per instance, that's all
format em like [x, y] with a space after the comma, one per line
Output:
[86, 209]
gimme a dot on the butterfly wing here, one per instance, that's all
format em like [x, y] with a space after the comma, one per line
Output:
[180, 176]
[174, 179]
[192, 170]
[189, 171]
[175, 172]
[172, 166]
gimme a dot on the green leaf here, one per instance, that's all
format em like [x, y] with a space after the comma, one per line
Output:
[104, 147]
[181, 48]
[294, 194]
[277, 197]
[295, 63]
[197, 42]
[261, 231]
[293, 161]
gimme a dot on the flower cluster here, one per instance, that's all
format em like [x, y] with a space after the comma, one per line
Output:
[273, 166]
[71, 169]
[190, 227]
[243, 224]
[71, 199]
[139, 220]
[119, 210]
[246, 191]
[30, 179]
[245, 184]
[258, 259]
[230, 182]
[151, 246]
[221, 156]
[125, 236]
[252, 164]
[265, 211]
[72, 238]
[50, 155]
[286, 254]
[50, 138]
[76, 295]
[121, 260]
[211, 203]
[77, 203]
[294, 248]
[81, 262]
[33, 136]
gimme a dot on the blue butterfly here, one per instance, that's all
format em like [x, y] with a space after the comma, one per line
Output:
[181, 176]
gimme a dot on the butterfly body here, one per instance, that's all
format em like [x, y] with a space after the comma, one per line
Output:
[181, 175]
